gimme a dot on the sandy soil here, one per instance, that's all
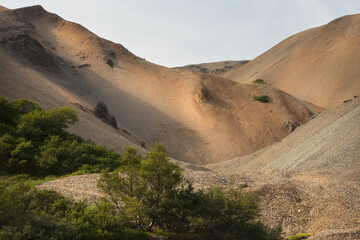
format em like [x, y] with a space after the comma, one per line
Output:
[216, 68]
[201, 118]
[308, 178]
[330, 141]
[320, 65]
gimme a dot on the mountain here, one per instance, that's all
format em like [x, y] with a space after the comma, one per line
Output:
[331, 141]
[216, 68]
[299, 157]
[201, 118]
[319, 65]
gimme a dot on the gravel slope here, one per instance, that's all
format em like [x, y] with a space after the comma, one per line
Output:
[330, 141]
[322, 202]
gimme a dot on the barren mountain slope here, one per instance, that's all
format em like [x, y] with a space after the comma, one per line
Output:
[320, 65]
[216, 68]
[201, 119]
[330, 141]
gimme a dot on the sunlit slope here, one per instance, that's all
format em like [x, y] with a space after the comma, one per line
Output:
[320, 65]
[201, 119]
[331, 141]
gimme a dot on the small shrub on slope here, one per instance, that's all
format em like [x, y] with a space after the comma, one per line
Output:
[300, 236]
[259, 81]
[261, 98]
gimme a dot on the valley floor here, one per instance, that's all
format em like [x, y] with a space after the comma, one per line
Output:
[325, 202]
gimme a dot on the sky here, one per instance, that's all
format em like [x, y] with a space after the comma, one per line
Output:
[180, 32]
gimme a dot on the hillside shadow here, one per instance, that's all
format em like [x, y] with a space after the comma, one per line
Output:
[141, 119]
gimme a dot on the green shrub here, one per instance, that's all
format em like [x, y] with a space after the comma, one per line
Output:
[35, 142]
[149, 194]
[261, 98]
[27, 213]
[259, 81]
[300, 236]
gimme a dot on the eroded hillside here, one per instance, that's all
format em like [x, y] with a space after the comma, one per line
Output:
[202, 119]
[320, 65]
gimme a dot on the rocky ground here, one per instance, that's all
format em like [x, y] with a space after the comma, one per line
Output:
[326, 202]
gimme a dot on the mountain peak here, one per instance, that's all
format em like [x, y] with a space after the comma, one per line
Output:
[3, 8]
[30, 12]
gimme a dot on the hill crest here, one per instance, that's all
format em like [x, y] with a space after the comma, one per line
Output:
[319, 65]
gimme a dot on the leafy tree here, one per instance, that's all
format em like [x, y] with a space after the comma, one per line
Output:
[131, 163]
[22, 159]
[34, 141]
[39, 125]
[7, 145]
[7, 119]
[56, 156]
[13, 202]
[26, 213]
[182, 210]
[23, 106]
[140, 187]
[154, 195]
[125, 188]
[161, 178]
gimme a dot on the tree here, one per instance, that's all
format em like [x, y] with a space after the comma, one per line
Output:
[7, 145]
[152, 194]
[23, 106]
[139, 188]
[161, 178]
[38, 124]
[22, 157]
[125, 188]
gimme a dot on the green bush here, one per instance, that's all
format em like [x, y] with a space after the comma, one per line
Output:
[300, 236]
[26, 213]
[34, 141]
[149, 194]
[145, 193]
[261, 98]
[259, 81]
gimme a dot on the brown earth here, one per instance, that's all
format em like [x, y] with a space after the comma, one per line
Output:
[201, 118]
[306, 173]
[329, 141]
[319, 65]
[215, 68]
[323, 202]
[302, 192]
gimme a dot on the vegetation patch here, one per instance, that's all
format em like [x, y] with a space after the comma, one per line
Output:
[259, 81]
[145, 193]
[151, 195]
[261, 98]
[35, 142]
[27, 213]
[300, 236]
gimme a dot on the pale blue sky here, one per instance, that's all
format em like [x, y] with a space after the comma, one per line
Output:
[179, 32]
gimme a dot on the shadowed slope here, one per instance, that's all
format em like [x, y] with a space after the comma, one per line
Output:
[320, 65]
